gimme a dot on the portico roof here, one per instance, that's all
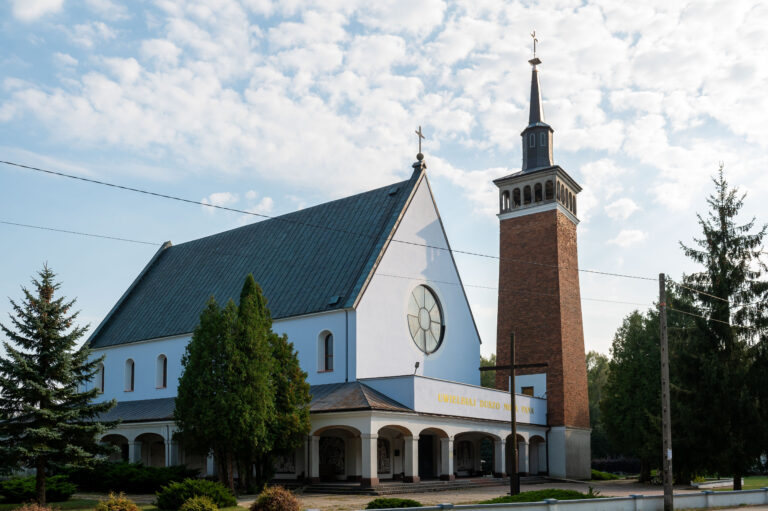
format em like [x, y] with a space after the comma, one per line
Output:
[331, 397]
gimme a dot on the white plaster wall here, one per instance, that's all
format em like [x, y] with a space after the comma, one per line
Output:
[144, 355]
[303, 332]
[384, 344]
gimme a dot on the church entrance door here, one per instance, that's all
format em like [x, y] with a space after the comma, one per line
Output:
[427, 456]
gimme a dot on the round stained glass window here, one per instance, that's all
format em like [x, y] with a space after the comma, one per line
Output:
[425, 319]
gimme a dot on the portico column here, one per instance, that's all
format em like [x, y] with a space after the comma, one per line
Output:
[446, 459]
[209, 466]
[411, 459]
[499, 456]
[370, 452]
[171, 453]
[314, 459]
[522, 454]
[134, 452]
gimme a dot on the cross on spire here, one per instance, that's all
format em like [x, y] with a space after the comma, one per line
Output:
[421, 137]
[535, 42]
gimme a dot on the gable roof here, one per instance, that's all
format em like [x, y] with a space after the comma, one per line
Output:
[313, 260]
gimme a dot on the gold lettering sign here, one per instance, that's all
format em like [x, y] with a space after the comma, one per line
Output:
[480, 403]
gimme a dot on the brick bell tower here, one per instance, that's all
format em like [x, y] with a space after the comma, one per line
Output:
[539, 297]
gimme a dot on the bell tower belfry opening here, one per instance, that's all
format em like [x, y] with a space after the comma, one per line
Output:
[539, 297]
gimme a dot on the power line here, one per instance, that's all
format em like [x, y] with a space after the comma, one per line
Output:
[78, 233]
[698, 316]
[306, 224]
[701, 292]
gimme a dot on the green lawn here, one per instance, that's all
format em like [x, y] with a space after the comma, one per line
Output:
[89, 505]
[755, 482]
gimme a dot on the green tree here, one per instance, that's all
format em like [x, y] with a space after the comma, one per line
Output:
[47, 419]
[488, 378]
[729, 338]
[631, 404]
[597, 376]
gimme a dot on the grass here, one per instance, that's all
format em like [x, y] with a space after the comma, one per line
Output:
[539, 495]
[90, 505]
[597, 475]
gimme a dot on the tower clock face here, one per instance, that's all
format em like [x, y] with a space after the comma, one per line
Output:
[425, 319]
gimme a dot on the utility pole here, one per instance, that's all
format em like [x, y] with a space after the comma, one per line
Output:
[666, 421]
[514, 477]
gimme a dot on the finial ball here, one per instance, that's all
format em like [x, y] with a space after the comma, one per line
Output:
[419, 156]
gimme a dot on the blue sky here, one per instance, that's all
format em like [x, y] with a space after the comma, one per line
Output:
[273, 106]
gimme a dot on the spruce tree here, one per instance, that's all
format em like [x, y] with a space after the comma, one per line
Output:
[717, 363]
[48, 420]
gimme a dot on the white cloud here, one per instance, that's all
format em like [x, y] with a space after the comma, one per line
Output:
[220, 199]
[109, 9]
[90, 34]
[251, 195]
[621, 209]
[628, 237]
[64, 59]
[30, 10]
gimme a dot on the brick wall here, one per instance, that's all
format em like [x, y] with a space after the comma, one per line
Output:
[541, 304]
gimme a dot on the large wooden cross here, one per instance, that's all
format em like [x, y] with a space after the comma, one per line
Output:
[421, 137]
[514, 477]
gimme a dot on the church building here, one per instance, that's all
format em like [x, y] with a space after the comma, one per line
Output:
[367, 290]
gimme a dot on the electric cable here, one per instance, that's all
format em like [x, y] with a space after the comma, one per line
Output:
[79, 233]
[306, 224]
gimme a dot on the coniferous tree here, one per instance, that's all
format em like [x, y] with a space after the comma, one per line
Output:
[488, 378]
[597, 376]
[47, 420]
[717, 362]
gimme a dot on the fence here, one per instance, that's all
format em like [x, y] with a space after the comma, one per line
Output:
[699, 500]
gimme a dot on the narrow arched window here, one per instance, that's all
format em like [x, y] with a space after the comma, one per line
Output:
[574, 204]
[161, 372]
[532, 140]
[328, 349]
[129, 375]
[100, 378]
[549, 191]
[527, 195]
[516, 198]
[505, 201]
[543, 139]
[537, 192]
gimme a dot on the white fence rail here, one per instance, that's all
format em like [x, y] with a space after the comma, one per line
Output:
[700, 500]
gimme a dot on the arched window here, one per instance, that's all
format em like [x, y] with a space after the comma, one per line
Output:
[549, 191]
[129, 375]
[568, 204]
[537, 192]
[325, 352]
[516, 198]
[574, 204]
[532, 140]
[562, 193]
[543, 139]
[505, 201]
[161, 372]
[100, 378]
[527, 194]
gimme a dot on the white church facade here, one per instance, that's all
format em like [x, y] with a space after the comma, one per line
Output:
[367, 290]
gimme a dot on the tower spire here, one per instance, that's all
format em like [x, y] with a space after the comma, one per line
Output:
[537, 136]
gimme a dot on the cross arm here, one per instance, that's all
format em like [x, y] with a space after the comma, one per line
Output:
[517, 366]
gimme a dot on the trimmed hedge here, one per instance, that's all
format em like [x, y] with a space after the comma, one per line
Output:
[174, 495]
[127, 477]
[276, 498]
[22, 489]
[391, 503]
[539, 495]
[603, 476]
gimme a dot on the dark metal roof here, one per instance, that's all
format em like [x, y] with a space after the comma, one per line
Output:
[313, 260]
[144, 410]
[337, 397]
[331, 397]
[536, 114]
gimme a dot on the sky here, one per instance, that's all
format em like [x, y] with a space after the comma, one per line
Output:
[274, 106]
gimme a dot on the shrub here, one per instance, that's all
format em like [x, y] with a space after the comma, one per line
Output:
[174, 495]
[199, 504]
[34, 506]
[597, 475]
[127, 477]
[538, 495]
[22, 489]
[390, 503]
[276, 498]
[117, 503]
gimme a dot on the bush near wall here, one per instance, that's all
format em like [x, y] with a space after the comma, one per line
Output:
[117, 503]
[539, 495]
[392, 503]
[199, 504]
[174, 495]
[22, 489]
[127, 477]
[276, 498]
